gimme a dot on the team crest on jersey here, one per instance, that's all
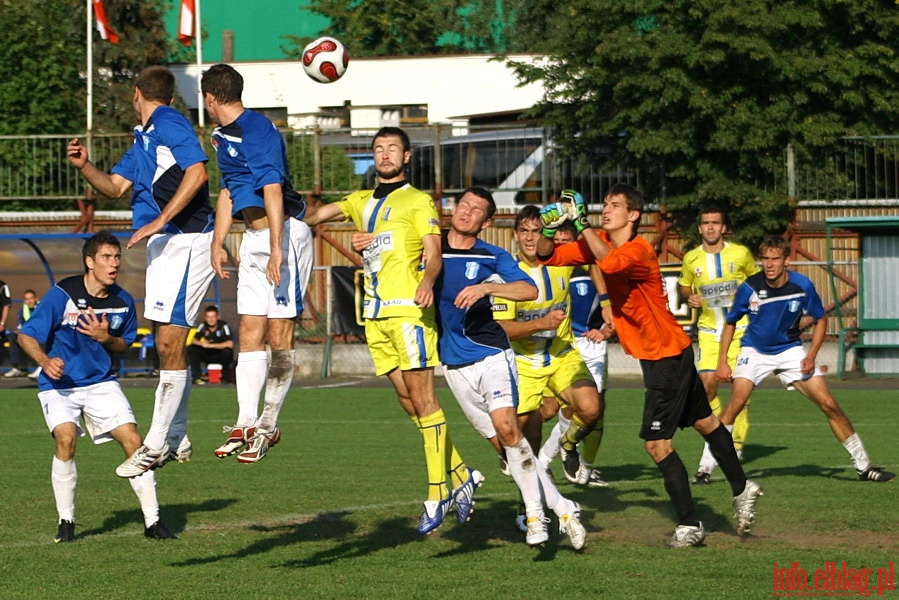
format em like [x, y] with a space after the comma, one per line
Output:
[581, 289]
[72, 319]
[471, 270]
[697, 272]
[215, 142]
[115, 322]
[793, 306]
[754, 303]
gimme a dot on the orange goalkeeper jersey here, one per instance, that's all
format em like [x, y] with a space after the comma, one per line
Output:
[646, 328]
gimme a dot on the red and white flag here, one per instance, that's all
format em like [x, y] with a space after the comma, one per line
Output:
[103, 27]
[186, 31]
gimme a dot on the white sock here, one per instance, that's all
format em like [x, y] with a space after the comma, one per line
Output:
[277, 384]
[550, 448]
[548, 489]
[523, 468]
[251, 370]
[169, 393]
[178, 429]
[707, 462]
[855, 448]
[144, 487]
[64, 478]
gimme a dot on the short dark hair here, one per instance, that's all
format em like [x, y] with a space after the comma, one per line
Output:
[775, 242]
[223, 82]
[92, 245]
[156, 83]
[712, 209]
[483, 194]
[633, 196]
[393, 131]
[529, 212]
[211, 308]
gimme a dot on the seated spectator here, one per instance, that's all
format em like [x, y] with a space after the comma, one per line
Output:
[20, 369]
[212, 343]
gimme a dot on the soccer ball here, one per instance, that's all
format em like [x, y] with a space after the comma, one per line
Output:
[325, 60]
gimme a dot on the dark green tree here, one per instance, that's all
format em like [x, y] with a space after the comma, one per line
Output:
[711, 93]
[415, 27]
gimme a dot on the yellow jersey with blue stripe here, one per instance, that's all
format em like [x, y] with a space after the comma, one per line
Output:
[394, 261]
[552, 284]
[716, 276]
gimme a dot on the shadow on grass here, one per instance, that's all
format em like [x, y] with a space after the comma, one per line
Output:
[173, 515]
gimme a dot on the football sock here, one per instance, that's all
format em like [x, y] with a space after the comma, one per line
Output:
[455, 466]
[433, 433]
[64, 478]
[178, 429]
[721, 445]
[590, 444]
[277, 384]
[523, 468]
[741, 428]
[548, 490]
[550, 448]
[576, 432]
[855, 448]
[250, 374]
[168, 400]
[674, 474]
[144, 487]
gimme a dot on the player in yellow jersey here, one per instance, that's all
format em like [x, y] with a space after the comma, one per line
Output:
[400, 244]
[710, 276]
[541, 336]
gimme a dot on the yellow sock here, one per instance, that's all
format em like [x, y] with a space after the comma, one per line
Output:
[741, 428]
[433, 433]
[576, 432]
[715, 403]
[455, 466]
[590, 445]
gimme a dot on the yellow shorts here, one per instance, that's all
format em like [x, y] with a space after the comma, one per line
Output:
[401, 342]
[709, 344]
[561, 373]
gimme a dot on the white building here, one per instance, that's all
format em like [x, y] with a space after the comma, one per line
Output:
[375, 92]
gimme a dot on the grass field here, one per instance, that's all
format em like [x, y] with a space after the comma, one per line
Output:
[331, 512]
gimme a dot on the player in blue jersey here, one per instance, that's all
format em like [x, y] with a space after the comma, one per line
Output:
[478, 358]
[165, 169]
[275, 258]
[775, 300]
[82, 321]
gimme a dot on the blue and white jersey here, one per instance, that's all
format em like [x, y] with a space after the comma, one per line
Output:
[469, 335]
[251, 155]
[584, 303]
[163, 149]
[55, 322]
[774, 313]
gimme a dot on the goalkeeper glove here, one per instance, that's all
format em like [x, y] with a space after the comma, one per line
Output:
[552, 215]
[576, 209]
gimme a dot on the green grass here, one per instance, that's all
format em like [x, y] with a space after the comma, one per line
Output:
[331, 512]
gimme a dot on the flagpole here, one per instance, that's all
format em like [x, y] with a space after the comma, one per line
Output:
[90, 68]
[201, 118]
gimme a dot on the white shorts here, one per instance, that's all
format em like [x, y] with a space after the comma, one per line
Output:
[755, 366]
[179, 271]
[484, 387]
[255, 295]
[594, 355]
[103, 406]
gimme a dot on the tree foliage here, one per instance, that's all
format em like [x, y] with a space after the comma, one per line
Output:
[711, 93]
[414, 27]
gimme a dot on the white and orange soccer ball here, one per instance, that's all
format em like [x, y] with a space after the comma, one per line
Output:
[325, 59]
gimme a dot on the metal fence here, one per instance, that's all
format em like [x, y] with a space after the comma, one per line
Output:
[522, 164]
